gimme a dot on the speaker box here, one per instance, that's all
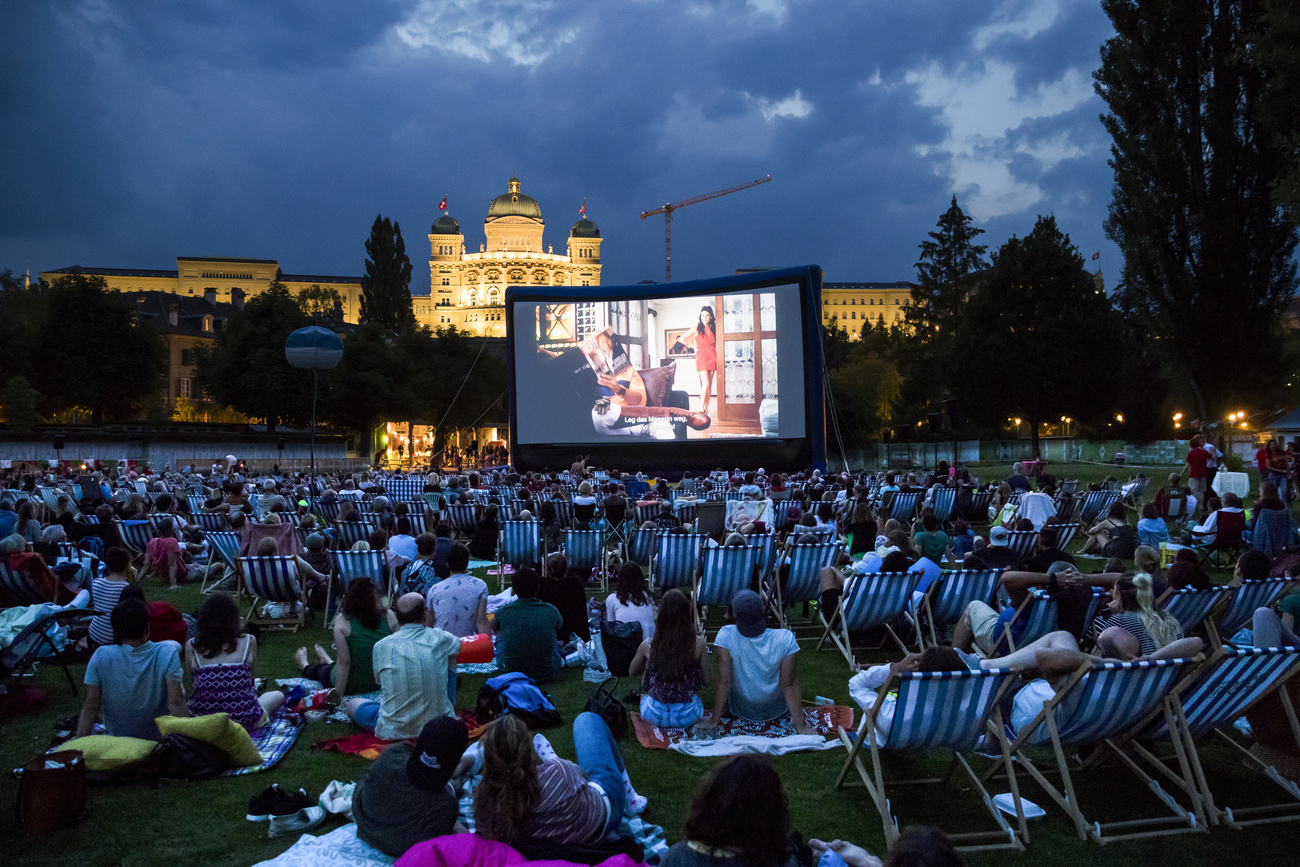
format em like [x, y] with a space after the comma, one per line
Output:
[58, 442]
[279, 444]
[936, 423]
[956, 417]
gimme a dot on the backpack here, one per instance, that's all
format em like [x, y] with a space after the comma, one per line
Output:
[181, 757]
[1123, 542]
[518, 694]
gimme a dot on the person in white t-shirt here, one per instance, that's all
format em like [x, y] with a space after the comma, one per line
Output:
[631, 602]
[757, 677]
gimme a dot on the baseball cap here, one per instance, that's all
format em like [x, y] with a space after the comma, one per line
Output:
[999, 536]
[438, 749]
[747, 608]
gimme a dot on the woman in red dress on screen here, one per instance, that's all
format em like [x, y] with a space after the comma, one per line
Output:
[705, 341]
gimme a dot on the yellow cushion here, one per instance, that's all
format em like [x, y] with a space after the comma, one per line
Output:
[219, 730]
[108, 753]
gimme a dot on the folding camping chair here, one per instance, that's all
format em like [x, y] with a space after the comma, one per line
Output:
[1241, 611]
[463, 517]
[948, 595]
[676, 561]
[869, 600]
[942, 502]
[724, 573]
[1100, 701]
[357, 564]
[352, 532]
[520, 544]
[1229, 530]
[37, 642]
[273, 580]
[803, 576]
[584, 551]
[1190, 607]
[937, 710]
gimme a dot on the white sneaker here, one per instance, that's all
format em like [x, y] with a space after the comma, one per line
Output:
[307, 817]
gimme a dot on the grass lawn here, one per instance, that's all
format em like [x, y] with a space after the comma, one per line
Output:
[203, 822]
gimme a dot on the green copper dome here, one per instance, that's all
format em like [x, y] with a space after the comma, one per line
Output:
[585, 228]
[445, 225]
[514, 204]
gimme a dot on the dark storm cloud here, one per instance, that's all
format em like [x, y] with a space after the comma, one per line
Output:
[143, 131]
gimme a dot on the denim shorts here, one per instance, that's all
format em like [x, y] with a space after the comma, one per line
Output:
[367, 715]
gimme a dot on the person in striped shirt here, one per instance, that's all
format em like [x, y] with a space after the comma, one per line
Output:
[106, 592]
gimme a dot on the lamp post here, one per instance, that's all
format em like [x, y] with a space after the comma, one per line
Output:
[313, 348]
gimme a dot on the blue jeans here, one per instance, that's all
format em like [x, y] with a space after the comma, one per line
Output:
[599, 757]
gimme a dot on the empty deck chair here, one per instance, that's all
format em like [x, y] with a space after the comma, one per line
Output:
[1101, 701]
[947, 597]
[356, 564]
[766, 545]
[209, 522]
[942, 502]
[1245, 599]
[352, 532]
[520, 544]
[563, 512]
[641, 546]
[869, 600]
[979, 506]
[676, 560]
[273, 580]
[803, 577]
[936, 710]
[463, 517]
[903, 508]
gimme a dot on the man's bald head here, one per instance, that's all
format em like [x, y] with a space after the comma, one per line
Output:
[410, 609]
[1118, 643]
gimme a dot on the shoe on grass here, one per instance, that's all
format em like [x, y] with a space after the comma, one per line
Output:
[293, 823]
[274, 801]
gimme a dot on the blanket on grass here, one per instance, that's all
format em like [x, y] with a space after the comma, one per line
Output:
[734, 736]
[272, 741]
[338, 848]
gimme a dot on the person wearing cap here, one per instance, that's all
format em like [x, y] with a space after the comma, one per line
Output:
[757, 677]
[997, 553]
[406, 796]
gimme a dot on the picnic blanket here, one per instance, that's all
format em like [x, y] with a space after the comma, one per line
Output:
[773, 738]
[272, 740]
[363, 744]
[338, 848]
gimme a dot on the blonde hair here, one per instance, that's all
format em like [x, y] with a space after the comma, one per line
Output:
[1146, 559]
[1160, 624]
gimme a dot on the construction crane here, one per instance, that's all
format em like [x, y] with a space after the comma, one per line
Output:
[667, 211]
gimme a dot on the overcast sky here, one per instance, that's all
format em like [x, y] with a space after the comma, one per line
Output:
[136, 132]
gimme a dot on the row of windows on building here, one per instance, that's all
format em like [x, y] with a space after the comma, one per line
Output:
[539, 278]
[865, 301]
[226, 275]
[898, 317]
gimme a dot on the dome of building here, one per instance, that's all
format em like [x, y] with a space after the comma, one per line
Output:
[445, 225]
[514, 203]
[585, 228]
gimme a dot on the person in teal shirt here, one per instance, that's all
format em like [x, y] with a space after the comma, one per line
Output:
[528, 631]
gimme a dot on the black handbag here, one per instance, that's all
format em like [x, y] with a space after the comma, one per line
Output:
[603, 703]
[620, 642]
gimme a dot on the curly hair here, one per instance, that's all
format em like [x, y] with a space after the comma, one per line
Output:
[218, 626]
[507, 796]
[742, 808]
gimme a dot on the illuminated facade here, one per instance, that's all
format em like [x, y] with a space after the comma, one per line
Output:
[467, 290]
[852, 304]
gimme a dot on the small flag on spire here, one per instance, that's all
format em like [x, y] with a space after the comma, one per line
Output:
[1096, 256]
[583, 209]
[442, 206]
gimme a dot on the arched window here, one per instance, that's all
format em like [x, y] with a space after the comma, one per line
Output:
[493, 299]
[471, 298]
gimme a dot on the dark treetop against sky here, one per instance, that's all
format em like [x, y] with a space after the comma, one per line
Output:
[135, 132]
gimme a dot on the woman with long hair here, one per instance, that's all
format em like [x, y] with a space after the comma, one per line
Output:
[631, 602]
[740, 817]
[671, 666]
[220, 659]
[524, 796]
[361, 621]
[1153, 629]
[705, 340]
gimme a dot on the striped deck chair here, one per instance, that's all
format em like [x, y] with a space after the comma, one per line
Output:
[1065, 534]
[327, 509]
[135, 535]
[51, 497]
[677, 560]
[803, 577]
[584, 550]
[209, 522]
[647, 511]
[352, 532]
[947, 597]
[505, 493]
[1099, 702]
[357, 564]
[766, 545]
[520, 544]
[224, 546]
[564, 512]
[273, 580]
[732, 496]
[1190, 607]
[1065, 505]
[18, 588]
[724, 573]
[903, 508]
[641, 546]
[942, 503]
[1094, 504]
[1022, 542]
[979, 505]
[463, 517]
[507, 512]
[1228, 685]
[685, 511]
[869, 600]
[937, 710]
[87, 518]
[1039, 611]
[1241, 611]
[418, 524]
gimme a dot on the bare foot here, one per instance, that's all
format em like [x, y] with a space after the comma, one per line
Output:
[300, 657]
[323, 656]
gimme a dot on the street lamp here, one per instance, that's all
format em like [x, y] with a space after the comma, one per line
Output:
[313, 348]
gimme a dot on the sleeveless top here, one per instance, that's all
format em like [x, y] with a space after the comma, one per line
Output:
[673, 692]
[361, 646]
[226, 687]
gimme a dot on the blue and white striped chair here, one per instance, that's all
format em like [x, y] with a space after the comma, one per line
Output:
[946, 599]
[418, 524]
[647, 511]
[685, 511]
[1022, 542]
[724, 573]
[942, 502]
[196, 503]
[209, 522]
[50, 495]
[564, 512]
[641, 546]
[937, 710]
[979, 505]
[676, 560]
[352, 532]
[903, 507]
[327, 509]
[520, 544]
[463, 517]
[224, 550]
[584, 550]
[803, 577]
[1190, 607]
[273, 580]
[17, 588]
[1039, 613]
[135, 535]
[1245, 599]
[357, 564]
[869, 600]
[1097, 703]
[1229, 684]
[766, 545]
[1065, 534]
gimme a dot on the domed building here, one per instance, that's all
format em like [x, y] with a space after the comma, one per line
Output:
[468, 289]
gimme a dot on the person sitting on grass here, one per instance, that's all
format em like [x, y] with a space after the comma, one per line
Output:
[671, 664]
[133, 682]
[163, 556]
[106, 592]
[406, 796]
[529, 630]
[567, 594]
[459, 602]
[631, 601]
[757, 675]
[220, 659]
[361, 623]
[918, 846]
